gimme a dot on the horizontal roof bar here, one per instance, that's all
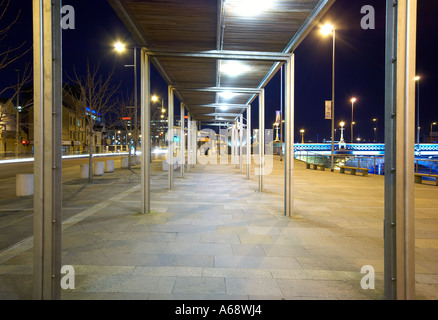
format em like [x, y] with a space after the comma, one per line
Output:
[219, 105]
[219, 89]
[225, 55]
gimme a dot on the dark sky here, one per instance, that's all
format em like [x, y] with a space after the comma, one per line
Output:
[359, 63]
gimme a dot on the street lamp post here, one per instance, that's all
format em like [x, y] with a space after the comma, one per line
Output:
[431, 129]
[302, 135]
[375, 130]
[326, 30]
[417, 80]
[353, 100]
[120, 47]
[341, 140]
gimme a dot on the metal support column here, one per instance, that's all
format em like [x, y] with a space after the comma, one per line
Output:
[182, 141]
[195, 143]
[289, 137]
[399, 233]
[232, 145]
[48, 141]
[145, 134]
[170, 133]
[189, 142]
[241, 143]
[248, 142]
[261, 139]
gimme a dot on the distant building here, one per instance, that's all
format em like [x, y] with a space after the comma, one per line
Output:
[75, 133]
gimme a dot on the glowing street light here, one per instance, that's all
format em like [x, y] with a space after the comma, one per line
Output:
[375, 130]
[119, 47]
[353, 100]
[431, 128]
[302, 131]
[417, 80]
[341, 141]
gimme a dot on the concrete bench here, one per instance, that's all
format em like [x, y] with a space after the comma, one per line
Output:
[315, 166]
[353, 170]
[419, 177]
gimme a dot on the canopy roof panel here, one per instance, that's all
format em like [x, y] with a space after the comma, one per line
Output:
[203, 47]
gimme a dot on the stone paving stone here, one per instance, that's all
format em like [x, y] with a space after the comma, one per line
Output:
[193, 260]
[256, 262]
[199, 285]
[252, 286]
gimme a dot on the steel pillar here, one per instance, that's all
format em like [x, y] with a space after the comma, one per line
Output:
[261, 139]
[182, 141]
[189, 142]
[170, 133]
[48, 149]
[248, 143]
[289, 137]
[399, 232]
[241, 143]
[146, 133]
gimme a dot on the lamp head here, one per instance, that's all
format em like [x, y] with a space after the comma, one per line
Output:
[327, 29]
[120, 47]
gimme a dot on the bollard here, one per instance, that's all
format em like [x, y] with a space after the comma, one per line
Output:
[125, 162]
[84, 171]
[109, 165]
[24, 185]
[98, 169]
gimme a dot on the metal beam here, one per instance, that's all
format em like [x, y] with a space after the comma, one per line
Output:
[170, 146]
[48, 157]
[399, 232]
[222, 114]
[225, 55]
[248, 143]
[261, 139]
[219, 105]
[289, 139]
[189, 142]
[215, 124]
[146, 133]
[219, 89]
[241, 142]
[182, 140]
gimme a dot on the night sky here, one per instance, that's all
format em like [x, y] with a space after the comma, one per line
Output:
[359, 63]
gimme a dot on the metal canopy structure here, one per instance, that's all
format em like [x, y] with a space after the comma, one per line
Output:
[218, 53]
[190, 41]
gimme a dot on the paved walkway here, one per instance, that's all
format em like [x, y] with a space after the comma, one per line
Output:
[216, 237]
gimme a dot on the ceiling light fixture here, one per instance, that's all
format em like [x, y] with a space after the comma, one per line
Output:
[249, 8]
[233, 68]
[226, 95]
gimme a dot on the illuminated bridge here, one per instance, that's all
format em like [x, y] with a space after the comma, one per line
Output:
[361, 149]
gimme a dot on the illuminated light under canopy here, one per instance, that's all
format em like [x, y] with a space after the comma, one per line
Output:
[249, 8]
[227, 95]
[234, 68]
